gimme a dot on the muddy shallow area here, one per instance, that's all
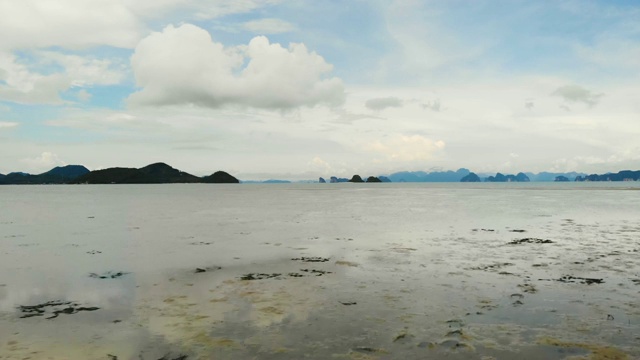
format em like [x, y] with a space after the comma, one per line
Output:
[321, 271]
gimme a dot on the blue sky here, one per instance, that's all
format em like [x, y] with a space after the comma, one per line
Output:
[300, 89]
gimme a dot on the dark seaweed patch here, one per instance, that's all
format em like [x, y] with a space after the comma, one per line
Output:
[403, 338]
[528, 288]
[263, 276]
[491, 267]
[41, 309]
[259, 276]
[200, 243]
[108, 275]
[530, 241]
[366, 349]
[316, 272]
[209, 268]
[179, 357]
[575, 279]
[597, 257]
[311, 259]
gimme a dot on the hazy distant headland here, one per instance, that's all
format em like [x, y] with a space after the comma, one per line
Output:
[158, 173]
[161, 173]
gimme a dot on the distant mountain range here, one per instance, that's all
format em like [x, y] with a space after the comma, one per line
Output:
[467, 175]
[158, 173]
[57, 175]
[435, 176]
[625, 175]
[161, 173]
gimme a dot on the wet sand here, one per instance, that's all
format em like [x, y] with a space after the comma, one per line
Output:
[319, 272]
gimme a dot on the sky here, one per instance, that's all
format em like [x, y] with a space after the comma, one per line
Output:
[295, 89]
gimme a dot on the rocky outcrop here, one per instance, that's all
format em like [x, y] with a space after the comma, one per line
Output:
[384, 179]
[561, 178]
[220, 177]
[521, 177]
[498, 178]
[373, 179]
[338, 180]
[471, 177]
[356, 179]
[321, 180]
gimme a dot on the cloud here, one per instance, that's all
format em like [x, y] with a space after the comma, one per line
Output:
[184, 65]
[85, 70]
[346, 117]
[320, 165]
[424, 45]
[67, 23]
[577, 94]
[434, 105]
[195, 9]
[378, 104]
[75, 24]
[406, 148]
[35, 89]
[268, 26]
[529, 104]
[622, 159]
[83, 95]
[7, 124]
[612, 54]
[46, 161]
[56, 72]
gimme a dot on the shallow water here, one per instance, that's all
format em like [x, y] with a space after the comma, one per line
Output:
[408, 271]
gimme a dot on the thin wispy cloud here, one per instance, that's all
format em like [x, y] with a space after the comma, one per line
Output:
[8, 124]
[378, 104]
[268, 26]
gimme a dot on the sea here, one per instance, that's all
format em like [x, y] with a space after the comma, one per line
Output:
[320, 271]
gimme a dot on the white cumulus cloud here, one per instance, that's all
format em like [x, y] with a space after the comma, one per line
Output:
[44, 162]
[319, 164]
[183, 65]
[407, 148]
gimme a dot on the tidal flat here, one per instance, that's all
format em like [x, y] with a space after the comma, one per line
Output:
[320, 271]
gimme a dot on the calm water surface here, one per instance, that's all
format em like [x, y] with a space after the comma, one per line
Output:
[320, 271]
